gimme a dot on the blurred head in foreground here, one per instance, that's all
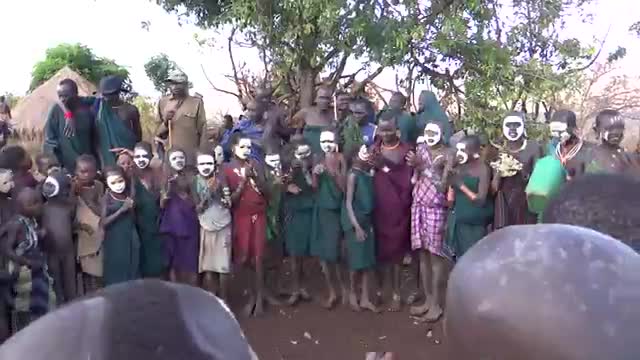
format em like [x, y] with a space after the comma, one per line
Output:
[145, 319]
[606, 203]
[553, 292]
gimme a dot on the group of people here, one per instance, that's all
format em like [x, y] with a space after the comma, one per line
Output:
[341, 186]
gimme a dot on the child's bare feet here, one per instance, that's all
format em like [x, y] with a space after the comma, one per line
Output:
[353, 302]
[305, 295]
[433, 315]
[411, 299]
[396, 303]
[271, 300]
[419, 310]
[368, 305]
[331, 301]
[248, 309]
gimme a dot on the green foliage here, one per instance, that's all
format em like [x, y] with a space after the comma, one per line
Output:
[157, 70]
[147, 108]
[79, 58]
[635, 28]
[11, 100]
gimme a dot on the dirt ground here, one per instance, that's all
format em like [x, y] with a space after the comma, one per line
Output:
[309, 331]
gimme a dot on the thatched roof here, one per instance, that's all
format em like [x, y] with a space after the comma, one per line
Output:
[31, 111]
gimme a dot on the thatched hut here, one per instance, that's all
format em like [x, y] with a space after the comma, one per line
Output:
[30, 114]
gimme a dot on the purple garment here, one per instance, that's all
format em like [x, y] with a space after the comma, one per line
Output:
[180, 227]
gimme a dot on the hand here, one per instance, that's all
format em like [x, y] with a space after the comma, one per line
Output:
[360, 234]
[128, 204]
[70, 127]
[122, 150]
[160, 140]
[318, 169]
[411, 159]
[294, 189]
[170, 115]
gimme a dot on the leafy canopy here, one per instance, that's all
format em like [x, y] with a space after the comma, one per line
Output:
[80, 59]
[158, 69]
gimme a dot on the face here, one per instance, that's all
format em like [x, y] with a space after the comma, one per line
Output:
[513, 128]
[113, 98]
[219, 154]
[397, 102]
[359, 112]
[141, 158]
[86, 172]
[302, 152]
[126, 163]
[432, 134]
[47, 165]
[51, 187]
[387, 131]
[613, 131]
[464, 152]
[67, 95]
[253, 111]
[273, 161]
[243, 149]
[206, 165]
[6, 181]
[177, 160]
[228, 122]
[343, 102]
[328, 142]
[32, 207]
[178, 89]
[559, 130]
[116, 183]
[323, 99]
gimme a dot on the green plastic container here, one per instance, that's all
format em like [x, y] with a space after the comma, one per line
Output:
[546, 180]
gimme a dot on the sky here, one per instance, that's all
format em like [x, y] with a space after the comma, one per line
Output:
[112, 28]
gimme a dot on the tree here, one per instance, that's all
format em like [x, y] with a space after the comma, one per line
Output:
[300, 39]
[157, 70]
[79, 58]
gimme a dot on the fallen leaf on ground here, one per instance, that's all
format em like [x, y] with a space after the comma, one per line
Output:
[382, 337]
[294, 342]
[429, 333]
[307, 335]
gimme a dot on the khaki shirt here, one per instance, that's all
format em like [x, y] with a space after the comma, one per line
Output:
[188, 126]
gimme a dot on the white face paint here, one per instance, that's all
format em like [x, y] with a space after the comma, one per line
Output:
[513, 128]
[219, 154]
[141, 158]
[328, 141]
[6, 181]
[116, 183]
[363, 154]
[206, 165]
[177, 160]
[432, 134]
[461, 153]
[51, 187]
[273, 161]
[302, 152]
[559, 130]
[243, 149]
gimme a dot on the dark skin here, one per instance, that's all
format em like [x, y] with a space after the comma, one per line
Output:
[397, 102]
[474, 167]
[46, 163]
[609, 155]
[367, 275]
[527, 155]
[86, 186]
[126, 112]
[106, 220]
[68, 97]
[389, 150]
[58, 215]
[342, 105]
[433, 268]
[321, 114]
[29, 205]
[275, 120]
[182, 188]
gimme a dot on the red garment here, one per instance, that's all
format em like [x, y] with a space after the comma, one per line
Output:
[392, 215]
[249, 217]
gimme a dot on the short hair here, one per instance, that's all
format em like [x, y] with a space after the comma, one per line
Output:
[46, 155]
[398, 93]
[565, 116]
[87, 159]
[228, 117]
[607, 203]
[70, 83]
[605, 115]
[12, 156]
[235, 138]
[144, 145]
[112, 169]
[389, 116]
[472, 140]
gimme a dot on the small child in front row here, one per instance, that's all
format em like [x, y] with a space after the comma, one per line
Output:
[357, 224]
[213, 203]
[89, 192]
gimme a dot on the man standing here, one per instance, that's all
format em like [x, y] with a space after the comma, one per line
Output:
[181, 117]
[69, 128]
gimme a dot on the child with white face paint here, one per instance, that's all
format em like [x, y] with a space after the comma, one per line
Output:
[121, 245]
[329, 183]
[215, 226]
[246, 181]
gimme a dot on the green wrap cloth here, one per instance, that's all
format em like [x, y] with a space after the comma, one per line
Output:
[121, 246]
[273, 210]
[468, 222]
[311, 135]
[299, 210]
[325, 229]
[360, 255]
[67, 149]
[432, 112]
[152, 261]
[112, 133]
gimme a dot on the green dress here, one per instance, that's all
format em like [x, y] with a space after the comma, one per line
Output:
[273, 210]
[360, 255]
[468, 222]
[325, 229]
[67, 149]
[152, 261]
[311, 134]
[299, 216]
[121, 246]
[112, 133]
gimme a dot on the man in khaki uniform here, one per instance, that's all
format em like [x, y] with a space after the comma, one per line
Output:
[181, 117]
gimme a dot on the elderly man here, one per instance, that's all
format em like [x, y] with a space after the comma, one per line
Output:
[181, 117]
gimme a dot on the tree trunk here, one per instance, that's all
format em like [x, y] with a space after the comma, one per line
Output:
[307, 82]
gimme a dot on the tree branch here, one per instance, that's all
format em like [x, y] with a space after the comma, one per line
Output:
[337, 74]
[361, 85]
[239, 97]
[233, 63]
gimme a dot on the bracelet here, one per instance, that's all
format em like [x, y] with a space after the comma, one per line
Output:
[68, 115]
